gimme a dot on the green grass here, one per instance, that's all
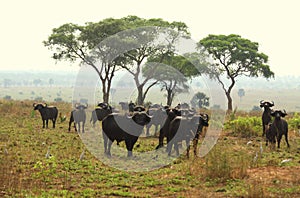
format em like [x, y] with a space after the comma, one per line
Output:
[227, 171]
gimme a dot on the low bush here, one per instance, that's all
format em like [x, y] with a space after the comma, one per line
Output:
[294, 122]
[244, 127]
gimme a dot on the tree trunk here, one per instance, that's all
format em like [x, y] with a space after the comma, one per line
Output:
[140, 99]
[170, 97]
[229, 102]
[105, 93]
[105, 97]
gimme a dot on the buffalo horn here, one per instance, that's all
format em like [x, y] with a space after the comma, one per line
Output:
[284, 112]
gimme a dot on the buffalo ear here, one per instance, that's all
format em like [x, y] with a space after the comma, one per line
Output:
[34, 104]
[45, 105]
[283, 113]
[261, 106]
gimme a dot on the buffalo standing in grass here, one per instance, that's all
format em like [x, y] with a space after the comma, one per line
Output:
[266, 116]
[78, 116]
[124, 128]
[163, 132]
[185, 128]
[100, 112]
[159, 116]
[47, 113]
[278, 128]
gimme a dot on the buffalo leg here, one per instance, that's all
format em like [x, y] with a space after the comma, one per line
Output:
[195, 144]
[147, 130]
[78, 127]
[109, 143]
[278, 140]
[43, 123]
[47, 123]
[129, 145]
[155, 129]
[70, 123]
[83, 127]
[161, 139]
[176, 147]
[187, 142]
[75, 127]
[169, 146]
[105, 141]
[53, 121]
[286, 140]
[264, 130]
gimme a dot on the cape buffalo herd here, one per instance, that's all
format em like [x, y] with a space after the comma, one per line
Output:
[177, 124]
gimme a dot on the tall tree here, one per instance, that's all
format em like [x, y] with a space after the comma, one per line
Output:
[148, 48]
[169, 79]
[72, 42]
[172, 74]
[234, 56]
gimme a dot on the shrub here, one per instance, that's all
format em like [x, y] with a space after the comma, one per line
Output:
[217, 166]
[222, 165]
[244, 127]
[294, 122]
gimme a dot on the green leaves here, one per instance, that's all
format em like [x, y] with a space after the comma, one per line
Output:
[234, 56]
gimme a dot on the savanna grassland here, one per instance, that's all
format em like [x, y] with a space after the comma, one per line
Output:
[235, 167]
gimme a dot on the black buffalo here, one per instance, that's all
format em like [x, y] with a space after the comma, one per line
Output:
[266, 116]
[128, 128]
[47, 113]
[278, 128]
[78, 116]
[163, 132]
[185, 128]
[100, 112]
[159, 116]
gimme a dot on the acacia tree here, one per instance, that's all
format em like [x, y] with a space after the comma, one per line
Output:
[148, 47]
[168, 78]
[172, 74]
[72, 42]
[234, 56]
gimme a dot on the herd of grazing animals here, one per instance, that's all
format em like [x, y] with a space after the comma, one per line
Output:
[176, 124]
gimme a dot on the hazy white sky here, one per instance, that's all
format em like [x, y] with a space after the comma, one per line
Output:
[273, 24]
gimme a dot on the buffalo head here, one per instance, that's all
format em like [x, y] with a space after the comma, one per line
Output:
[278, 113]
[266, 104]
[38, 106]
[81, 106]
[140, 116]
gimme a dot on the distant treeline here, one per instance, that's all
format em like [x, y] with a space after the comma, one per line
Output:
[67, 79]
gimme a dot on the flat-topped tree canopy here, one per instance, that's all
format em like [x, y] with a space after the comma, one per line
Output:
[234, 56]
